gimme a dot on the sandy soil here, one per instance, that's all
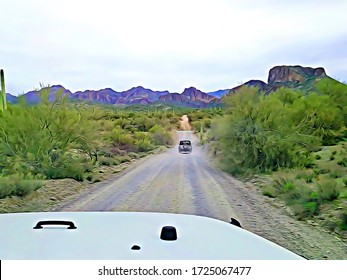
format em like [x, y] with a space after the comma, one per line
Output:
[188, 183]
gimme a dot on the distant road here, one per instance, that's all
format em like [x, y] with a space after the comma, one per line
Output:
[170, 182]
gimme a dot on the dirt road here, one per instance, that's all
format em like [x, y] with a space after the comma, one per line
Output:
[184, 122]
[188, 183]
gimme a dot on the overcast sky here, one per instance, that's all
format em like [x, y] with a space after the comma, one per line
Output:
[166, 45]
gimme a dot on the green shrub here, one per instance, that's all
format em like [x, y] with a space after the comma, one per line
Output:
[343, 194]
[342, 222]
[87, 167]
[123, 159]
[306, 209]
[134, 155]
[41, 137]
[322, 171]
[307, 174]
[105, 153]
[269, 132]
[335, 170]
[343, 162]
[107, 161]
[160, 136]
[126, 140]
[15, 185]
[144, 145]
[303, 201]
[71, 170]
[269, 191]
[141, 135]
[327, 188]
[288, 186]
[280, 180]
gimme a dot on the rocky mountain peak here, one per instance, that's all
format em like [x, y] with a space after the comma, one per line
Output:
[280, 74]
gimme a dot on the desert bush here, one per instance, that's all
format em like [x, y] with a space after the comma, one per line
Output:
[37, 139]
[281, 179]
[87, 167]
[302, 199]
[160, 136]
[342, 221]
[144, 145]
[121, 123]
[258, 133]
[327, 188]
[307, 174]
[342, 162]
[64, 170]
[300, 196]
[269, 191]
[134, 155]
[123, 159]
[337, 93]
[126, 141]
[305, 209]
[107, 161]
[16, 185]
[105, 153]
[279, 130]
[141, 135]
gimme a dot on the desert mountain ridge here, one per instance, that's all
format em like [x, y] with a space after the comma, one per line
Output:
[296, 77]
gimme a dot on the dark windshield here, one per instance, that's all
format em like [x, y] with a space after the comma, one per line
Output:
[185, 142]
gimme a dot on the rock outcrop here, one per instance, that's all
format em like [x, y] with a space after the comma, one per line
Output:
[174, 97]
[107, 95]
[197, 95]
[296, 77]
[190, 97]
[280, 74]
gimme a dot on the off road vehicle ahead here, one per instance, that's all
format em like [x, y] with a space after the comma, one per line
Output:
[185, 146]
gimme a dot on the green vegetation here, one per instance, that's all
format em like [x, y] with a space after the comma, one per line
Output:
[298, 137]
[60, 139]
[15, 185]
[263, 133]
[201, 121]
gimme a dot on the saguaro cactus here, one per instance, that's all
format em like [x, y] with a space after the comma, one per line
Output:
[3, 104]
[201, 132]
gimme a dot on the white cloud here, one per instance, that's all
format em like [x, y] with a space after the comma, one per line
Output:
[165, 44]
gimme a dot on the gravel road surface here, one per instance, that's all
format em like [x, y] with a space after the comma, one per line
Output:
[188, 183]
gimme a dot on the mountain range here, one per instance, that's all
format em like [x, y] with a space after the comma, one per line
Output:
[296, 77]
[190, 97]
